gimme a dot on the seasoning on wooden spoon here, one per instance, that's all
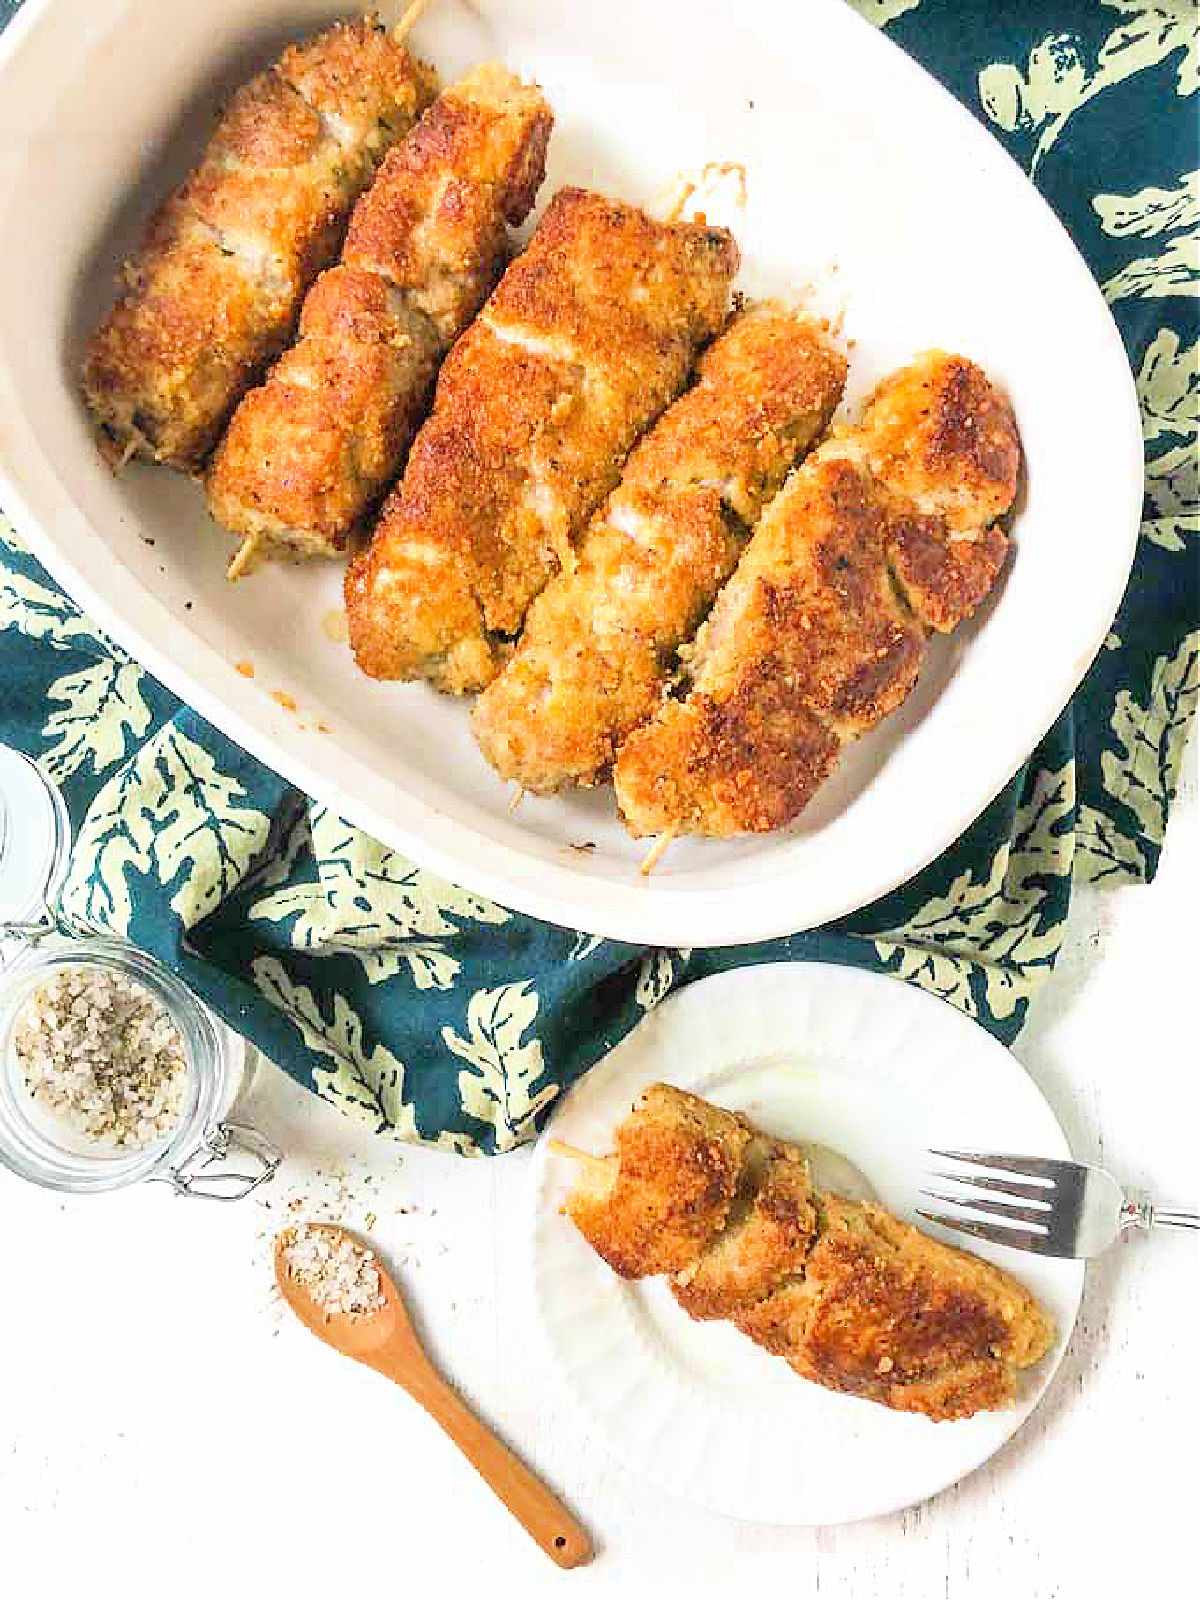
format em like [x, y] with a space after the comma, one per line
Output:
[344, 1295]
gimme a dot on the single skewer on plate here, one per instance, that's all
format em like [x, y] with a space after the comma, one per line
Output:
[849, 1296]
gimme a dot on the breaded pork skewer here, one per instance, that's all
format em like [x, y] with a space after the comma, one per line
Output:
[212, 295]
[886, 533]
[308, 454]
[588, 337]
[599, 642]
[850, 1297]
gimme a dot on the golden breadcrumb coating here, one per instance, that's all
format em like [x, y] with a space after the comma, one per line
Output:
[821, 630]
[650, 1207]
[884, 1312]
[213, 294]
[309, 453]
[767, 1236]
[599, 642]
[850, 1297]
[589, 335]
[941, 437]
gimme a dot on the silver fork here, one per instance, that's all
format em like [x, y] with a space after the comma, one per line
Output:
[1055, 1208]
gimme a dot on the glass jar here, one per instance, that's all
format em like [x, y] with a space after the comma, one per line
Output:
[205, 1154]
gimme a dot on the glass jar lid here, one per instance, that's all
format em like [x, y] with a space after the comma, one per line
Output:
[35, 835]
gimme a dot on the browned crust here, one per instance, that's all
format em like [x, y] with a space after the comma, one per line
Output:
[306, 451]
[587, 338]
[357, 72]
[213, 294]
[599, 642]
[433, 222]
[766, 1239]
[266, 186]
[164, 367]
[746, 764]
[415, 599]
[807, 647]
[309, 454]
[941, 436]
[619, 288]
[886, 533]
[852, 1298]
[677, 1169]
[944, 580]
[886, 1313]
[765, 391]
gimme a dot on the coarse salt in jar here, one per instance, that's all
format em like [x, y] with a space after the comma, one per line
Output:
[111, 1071]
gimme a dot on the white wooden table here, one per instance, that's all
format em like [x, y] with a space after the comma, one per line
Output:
[165, 1432]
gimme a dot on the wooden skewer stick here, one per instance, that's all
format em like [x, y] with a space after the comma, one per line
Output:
[245, 556]
[685, 194]
[517, 797]
[409, 20]
[656, 850]
[561, 1148]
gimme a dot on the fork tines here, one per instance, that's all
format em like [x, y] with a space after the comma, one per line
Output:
[1022, 1198]
[1028, 1166]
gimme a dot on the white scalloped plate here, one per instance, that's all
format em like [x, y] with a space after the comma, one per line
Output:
[864, 180]
[869, 1068]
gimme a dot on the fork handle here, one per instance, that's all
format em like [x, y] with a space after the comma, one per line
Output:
[1140, 1212]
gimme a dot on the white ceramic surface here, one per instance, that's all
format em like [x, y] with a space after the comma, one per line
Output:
[871, 1069]
[864, 179]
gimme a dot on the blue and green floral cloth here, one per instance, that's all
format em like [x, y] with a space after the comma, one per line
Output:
[431, 1012]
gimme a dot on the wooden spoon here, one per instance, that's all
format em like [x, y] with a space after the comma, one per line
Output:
[386, 1341]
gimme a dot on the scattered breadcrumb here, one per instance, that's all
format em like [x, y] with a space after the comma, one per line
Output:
[375, 1206]
[340, 1276]
[101, 1055]
[284, 699]
[246, 669]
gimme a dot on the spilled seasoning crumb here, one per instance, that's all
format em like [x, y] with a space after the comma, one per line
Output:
[245, 668]
[282, 698]
[728, 169]
[100, 1054]
[341, 1277]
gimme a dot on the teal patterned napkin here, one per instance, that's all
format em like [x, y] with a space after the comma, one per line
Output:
[431, 1012]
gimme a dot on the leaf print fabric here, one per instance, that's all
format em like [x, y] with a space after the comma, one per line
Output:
[982, 943]
[1174, 268]
[420, 1009]
[371, 902]
[502, 1087]
[169, 816]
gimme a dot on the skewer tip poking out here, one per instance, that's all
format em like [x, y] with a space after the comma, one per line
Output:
[517, 797]
[681, 200]
[656, 850]
[409, 20]
[561, 1148]
[244, 559]
[134, 444]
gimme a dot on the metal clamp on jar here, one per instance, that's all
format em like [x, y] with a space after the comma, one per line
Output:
[204, 1152]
